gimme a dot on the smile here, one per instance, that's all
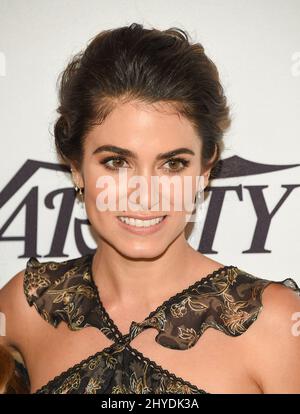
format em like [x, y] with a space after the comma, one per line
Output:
[142, 227]
[140, 223]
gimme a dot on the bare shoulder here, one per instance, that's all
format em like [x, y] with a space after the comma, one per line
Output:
[12, 288]
[281, 307]
[15, 311]
[274, 341]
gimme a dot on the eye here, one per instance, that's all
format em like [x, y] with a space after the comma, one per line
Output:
[177, 164]
[117, 162]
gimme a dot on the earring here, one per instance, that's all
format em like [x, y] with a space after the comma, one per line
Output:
[197, 197]
[80, 191]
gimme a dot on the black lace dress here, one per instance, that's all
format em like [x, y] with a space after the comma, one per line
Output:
[229, 299]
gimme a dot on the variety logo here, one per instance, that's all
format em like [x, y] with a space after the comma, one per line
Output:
[231, 167]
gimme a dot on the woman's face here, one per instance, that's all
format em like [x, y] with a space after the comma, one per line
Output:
[141, 136]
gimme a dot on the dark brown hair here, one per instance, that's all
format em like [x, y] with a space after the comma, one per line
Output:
[11, 379]
[148, 65]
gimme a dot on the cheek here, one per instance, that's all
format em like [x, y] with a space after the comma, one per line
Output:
[173, 204]
[91, 195]
[182, 197]
[176, 198]
[92, 182]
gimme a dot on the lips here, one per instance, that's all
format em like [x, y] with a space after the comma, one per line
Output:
[142, 217]
[140, 229]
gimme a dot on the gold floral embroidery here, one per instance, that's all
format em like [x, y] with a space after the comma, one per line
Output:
[120, 389]
[95, 362]
[138, 385]
[177, 388]
[111, 362]
[70, 384]
[93, 385]
[33, 282]
[188, 335]
[178, 310]
[64, 295]
[228, 300]
[234, 317]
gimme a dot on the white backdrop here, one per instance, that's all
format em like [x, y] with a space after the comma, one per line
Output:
[256, 47]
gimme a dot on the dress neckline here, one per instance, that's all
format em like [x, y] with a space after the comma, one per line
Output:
[114, 328]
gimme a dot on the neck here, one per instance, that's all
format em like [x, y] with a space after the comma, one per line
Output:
[123, 280]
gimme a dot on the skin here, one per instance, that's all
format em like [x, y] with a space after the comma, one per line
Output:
[128, 269]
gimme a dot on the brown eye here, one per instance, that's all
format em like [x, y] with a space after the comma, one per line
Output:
[174, 164]
[177, 164]
[116, 163]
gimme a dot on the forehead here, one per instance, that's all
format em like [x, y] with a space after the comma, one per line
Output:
[143, 127]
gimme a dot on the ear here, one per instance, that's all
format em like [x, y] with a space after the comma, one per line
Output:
[205, 172]
[76, 176]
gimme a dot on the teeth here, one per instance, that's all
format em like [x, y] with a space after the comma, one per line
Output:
[140, 223]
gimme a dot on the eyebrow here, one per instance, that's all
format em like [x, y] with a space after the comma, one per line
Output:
[127, 153]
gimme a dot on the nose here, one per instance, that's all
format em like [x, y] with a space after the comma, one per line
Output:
[145, 194]
[148, 196]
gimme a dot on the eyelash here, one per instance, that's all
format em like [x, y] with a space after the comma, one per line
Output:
[182, 160]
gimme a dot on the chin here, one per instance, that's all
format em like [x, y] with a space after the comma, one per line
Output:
[151, 252]
[139, 250]
[136, 246]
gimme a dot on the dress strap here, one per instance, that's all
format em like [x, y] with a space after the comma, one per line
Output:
[63, 291]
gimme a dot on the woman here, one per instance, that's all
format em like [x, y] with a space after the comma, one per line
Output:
[135, 313]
